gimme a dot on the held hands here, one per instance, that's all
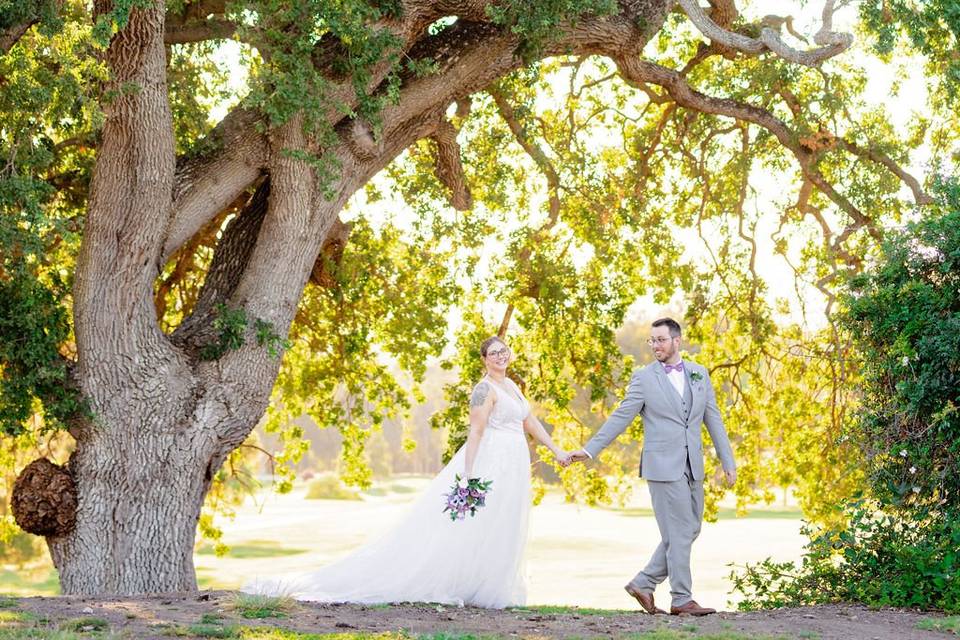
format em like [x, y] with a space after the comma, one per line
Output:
[569, 457]
[566, 458]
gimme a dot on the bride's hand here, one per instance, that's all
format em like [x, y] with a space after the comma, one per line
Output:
[576, 456]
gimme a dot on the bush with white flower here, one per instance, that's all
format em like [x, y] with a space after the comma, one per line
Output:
[900, 545]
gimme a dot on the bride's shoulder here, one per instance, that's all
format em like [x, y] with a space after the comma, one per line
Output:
[481, 391]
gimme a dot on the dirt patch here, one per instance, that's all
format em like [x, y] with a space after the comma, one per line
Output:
[156, 616]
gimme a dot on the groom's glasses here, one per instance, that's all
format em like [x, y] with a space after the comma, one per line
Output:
[499, 353]
[658, 341]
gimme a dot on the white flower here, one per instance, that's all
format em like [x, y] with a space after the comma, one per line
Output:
[905, 360]
[916, 489]
[913, 469]
[903, 453]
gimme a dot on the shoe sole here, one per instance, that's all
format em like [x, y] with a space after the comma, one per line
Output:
[643, 606]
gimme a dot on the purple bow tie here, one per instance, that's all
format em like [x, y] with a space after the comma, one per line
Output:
[673, 367]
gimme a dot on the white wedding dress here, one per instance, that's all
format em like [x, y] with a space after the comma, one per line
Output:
[427, 557]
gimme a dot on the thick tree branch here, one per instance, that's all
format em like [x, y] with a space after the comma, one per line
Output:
[198, 10]
[205, 185]
[449, 168]
[531, 148]
[831, 43]
[212, 29]
[724, 12]
[469, 56]
[11, 35]
[229, 262]
[26, 14]
[197, 21]
[208, 183]
[678, 89]
[185, 263]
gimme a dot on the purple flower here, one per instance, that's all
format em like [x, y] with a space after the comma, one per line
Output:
[469, 498]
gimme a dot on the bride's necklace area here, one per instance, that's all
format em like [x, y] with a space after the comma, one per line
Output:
[503, 386]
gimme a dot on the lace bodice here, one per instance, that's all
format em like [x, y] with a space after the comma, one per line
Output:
[511, 408]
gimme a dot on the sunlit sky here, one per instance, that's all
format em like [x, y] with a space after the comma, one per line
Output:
[772, 194]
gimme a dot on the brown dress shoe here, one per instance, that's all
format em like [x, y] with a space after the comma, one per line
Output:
[691, 609]
[645, 600]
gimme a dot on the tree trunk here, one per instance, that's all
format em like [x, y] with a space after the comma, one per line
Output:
[139, 471]
[140, 499]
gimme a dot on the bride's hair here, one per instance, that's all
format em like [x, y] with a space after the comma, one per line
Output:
[485, 345]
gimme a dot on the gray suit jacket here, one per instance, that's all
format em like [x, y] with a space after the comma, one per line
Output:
[671, 424]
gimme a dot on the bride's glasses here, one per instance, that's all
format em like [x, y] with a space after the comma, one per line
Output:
[499, 353]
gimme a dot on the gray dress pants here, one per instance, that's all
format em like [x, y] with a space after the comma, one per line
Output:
[678, 508]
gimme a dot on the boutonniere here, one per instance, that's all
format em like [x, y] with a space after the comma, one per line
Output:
[696, 376]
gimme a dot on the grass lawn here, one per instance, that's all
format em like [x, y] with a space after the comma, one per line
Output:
[949, 624]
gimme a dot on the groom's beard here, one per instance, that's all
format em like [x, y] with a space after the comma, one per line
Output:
[665, 355]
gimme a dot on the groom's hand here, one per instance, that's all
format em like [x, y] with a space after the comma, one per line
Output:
[731, 477]
[577, 456]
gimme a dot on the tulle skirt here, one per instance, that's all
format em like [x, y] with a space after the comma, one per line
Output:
[427, 557]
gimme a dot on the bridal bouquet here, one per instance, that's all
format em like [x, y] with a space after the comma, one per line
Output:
[469, 498]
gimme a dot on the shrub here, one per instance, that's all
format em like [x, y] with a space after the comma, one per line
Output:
[901, 545]
[84, 625]
[330, 488]
[881, 558]
[255, 606]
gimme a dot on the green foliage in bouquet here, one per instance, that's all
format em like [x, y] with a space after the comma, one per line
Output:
[466, 499]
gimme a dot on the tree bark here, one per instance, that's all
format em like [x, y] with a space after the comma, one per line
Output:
[139, 474]
[140, 500]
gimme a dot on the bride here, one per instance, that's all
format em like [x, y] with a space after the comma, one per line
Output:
[428, 557]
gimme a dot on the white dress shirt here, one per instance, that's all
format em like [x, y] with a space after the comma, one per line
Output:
[678, 380]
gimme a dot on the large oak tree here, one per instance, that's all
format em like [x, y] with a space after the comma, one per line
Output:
[338, 92]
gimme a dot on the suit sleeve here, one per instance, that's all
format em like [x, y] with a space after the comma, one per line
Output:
[620, 419]
[718, 434]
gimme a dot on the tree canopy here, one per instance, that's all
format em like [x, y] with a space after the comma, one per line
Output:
[362, 187]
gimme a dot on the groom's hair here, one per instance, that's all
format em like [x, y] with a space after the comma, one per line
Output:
[671, 324]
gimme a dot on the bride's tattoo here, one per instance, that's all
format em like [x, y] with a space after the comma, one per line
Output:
[480, 393]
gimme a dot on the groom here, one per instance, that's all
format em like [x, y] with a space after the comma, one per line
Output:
[674, 398]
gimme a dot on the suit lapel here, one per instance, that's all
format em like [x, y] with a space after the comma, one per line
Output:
[666, 388]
